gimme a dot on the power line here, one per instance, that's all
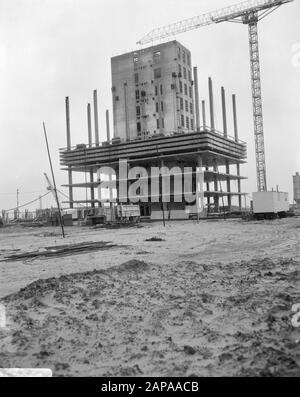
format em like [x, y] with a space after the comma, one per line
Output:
[20, 193]
[35, 200]
[30, 202]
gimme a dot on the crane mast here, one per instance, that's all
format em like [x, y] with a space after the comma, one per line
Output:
[257, 104]
[249, 12]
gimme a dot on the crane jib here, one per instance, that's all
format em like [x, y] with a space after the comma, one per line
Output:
[249, 12]
[222, 15]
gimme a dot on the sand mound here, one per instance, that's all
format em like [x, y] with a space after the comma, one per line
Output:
[41, 287]
[131, 266]
[179, 319]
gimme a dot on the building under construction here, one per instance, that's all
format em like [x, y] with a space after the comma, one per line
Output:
[156, 120]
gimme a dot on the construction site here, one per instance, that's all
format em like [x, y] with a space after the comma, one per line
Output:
[155, 259]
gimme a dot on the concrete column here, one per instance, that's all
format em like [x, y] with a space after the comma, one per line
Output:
[211, 103]
[70, 176]
[216, 186]
[224, 111]
[107, 126]
[117, 184]
[162, 164]
[208, 190]
[68, 123]
[239, 185]
[126, 112]
[203, 114]
[110, 175]
[228, 185]
[236, 138]
[235, 118]
[96, 118]
[196, 92]
[199, 187]
[122, 181]
[89, 121]
[92, 189]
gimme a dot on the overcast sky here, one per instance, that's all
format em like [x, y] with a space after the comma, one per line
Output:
[50, 49]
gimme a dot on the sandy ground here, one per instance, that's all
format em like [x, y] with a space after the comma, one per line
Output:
[213, 299]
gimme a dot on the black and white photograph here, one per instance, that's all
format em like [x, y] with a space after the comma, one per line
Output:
[149, 191]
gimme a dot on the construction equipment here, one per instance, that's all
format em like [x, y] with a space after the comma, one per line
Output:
[128, 212]
[250, 13]
[50, 187]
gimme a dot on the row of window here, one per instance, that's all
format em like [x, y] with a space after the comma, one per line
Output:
[160, 123]
[187, 75]
[160, 87]
[157, 73]
[157, 107]
[183, 87]
[186, 122]
[139, 94]
[186, 58]
[188, 106]
[182, 54]
[156, 57]
[142, 94]
[138, 108]
[187, 90]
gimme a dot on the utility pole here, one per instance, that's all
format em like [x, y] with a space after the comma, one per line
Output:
[18, 204]
[54, 183]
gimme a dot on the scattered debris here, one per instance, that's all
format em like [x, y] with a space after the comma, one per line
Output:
[61, 250]
[118, 225]
[189, 350]
[32, 224]
[48, 234]
[155, 239]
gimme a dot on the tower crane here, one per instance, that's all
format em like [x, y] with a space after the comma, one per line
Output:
[249, 13]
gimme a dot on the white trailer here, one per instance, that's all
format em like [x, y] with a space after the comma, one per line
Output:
[128, 212]
[270, 204]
